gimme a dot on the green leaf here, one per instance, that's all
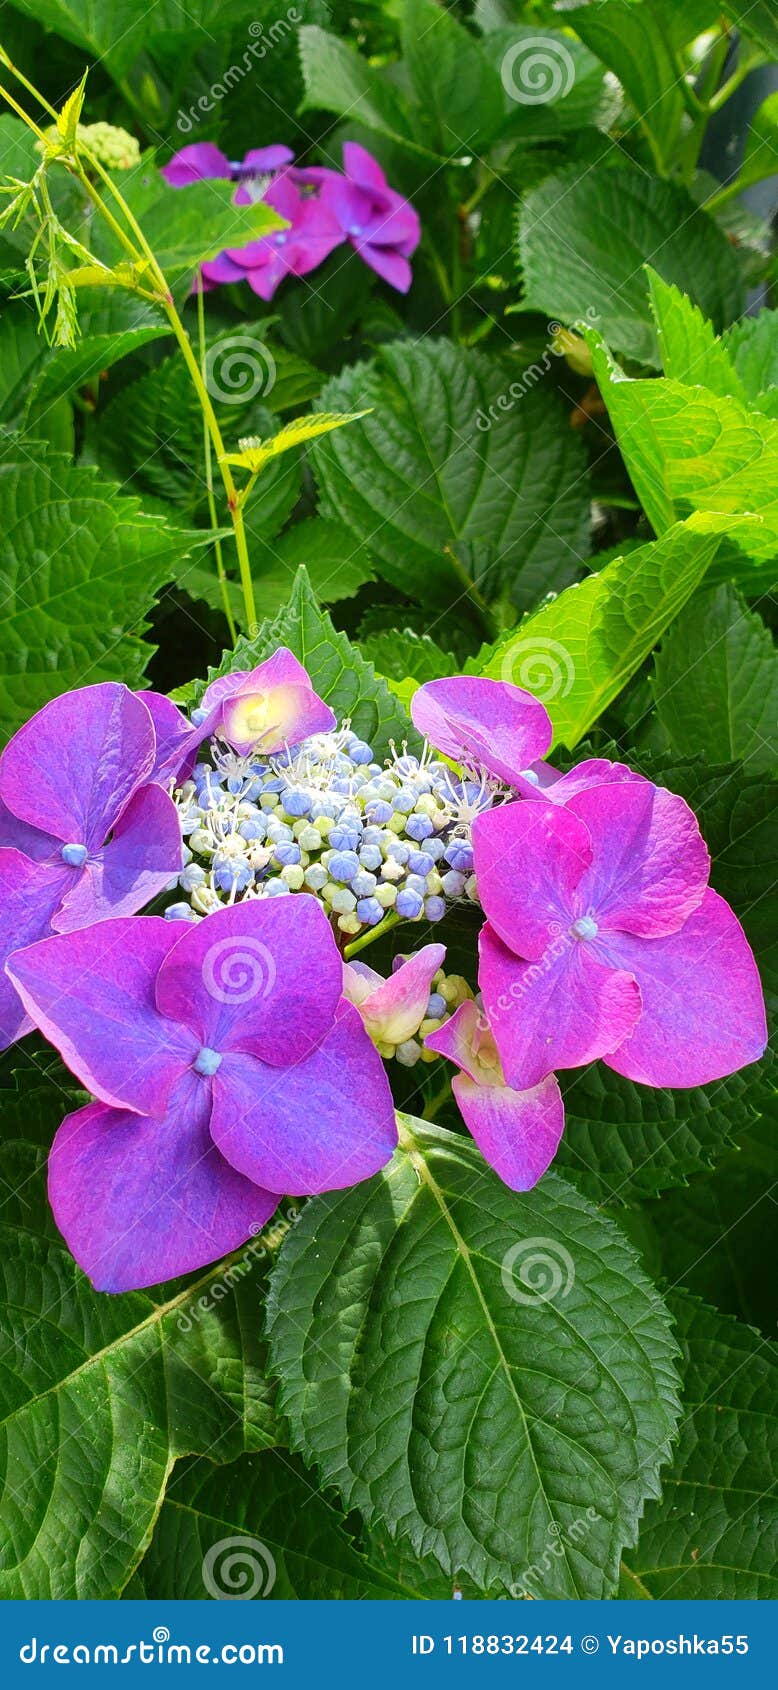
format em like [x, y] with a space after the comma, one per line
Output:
[460, 475]
[624, 1142]
[687, 450]
[715, 1238]
[337, 79]
[255, 453]
[554, 86]
[80, 565]
[458, 95]
[33, 374]
[712, 1535]
[437, 1391]
[99, 1394]
[752, 344]
[577, 652]
[335, 565]
[338, 672]
[761, 148]
[294, 1544]
[626, 36]
[716, 682]
[406, 653]
[115, 32]
[690, 349]
[584, 241]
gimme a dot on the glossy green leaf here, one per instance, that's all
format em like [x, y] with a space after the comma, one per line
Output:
[716, 682]
[437, 1390]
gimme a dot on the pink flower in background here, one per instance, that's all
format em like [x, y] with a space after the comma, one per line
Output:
[322, 207]
[603, 939]
[381, 225]
[312, 235]
[518, 1132]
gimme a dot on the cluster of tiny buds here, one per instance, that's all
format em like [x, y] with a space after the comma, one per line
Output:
[368, 840]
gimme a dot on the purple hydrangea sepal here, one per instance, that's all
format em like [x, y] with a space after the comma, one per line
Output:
[518, 1132]
[227, 1056]
[260, 710]
[487, 725]
[78, 805]
[604, 940]
[311, 234]
[381, 225]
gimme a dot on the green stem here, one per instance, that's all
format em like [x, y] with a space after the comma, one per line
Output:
[220, 569]
[442, 1095]
[373, 933]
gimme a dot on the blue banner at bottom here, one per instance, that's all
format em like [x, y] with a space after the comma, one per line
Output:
[424, 1644]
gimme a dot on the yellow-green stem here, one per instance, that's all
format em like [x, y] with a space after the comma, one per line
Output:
[217, 545]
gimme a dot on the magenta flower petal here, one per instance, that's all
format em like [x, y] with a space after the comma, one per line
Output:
[560, 1011]
[260, 159]
[195, 164]
[529, 859]
[393, 1009]
[92, 994]
[139, 1200]
[322, 1125]
[142, 855]
[71, 769]
[221, 269]
[173, 731]
[263, 977]
[650, 864]
[21, 837]
[540, 780]
[491, 724]
[391, 266]
[518, 1132]
[266, 708]
[703, 1010]
[363, 169]
[30, 892]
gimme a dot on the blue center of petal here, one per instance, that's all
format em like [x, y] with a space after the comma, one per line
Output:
[355, 228]
[207, 1061]
[532, 776]
[585, 928]
[280, 240]
[74, 855]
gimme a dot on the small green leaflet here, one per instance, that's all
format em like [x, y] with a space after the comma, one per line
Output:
[254, 453]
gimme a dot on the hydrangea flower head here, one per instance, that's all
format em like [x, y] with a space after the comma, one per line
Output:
[381, 225]
[312, 233]
[227, 1069]
[84, 831]
[518, 1132]
[603, 939]
[202, 160]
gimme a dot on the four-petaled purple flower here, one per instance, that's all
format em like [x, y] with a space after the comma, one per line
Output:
[603, 939]
[228, 1070]
[84, 832]
[322, 208]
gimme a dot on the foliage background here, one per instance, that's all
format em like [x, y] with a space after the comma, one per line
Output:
[567, 240]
